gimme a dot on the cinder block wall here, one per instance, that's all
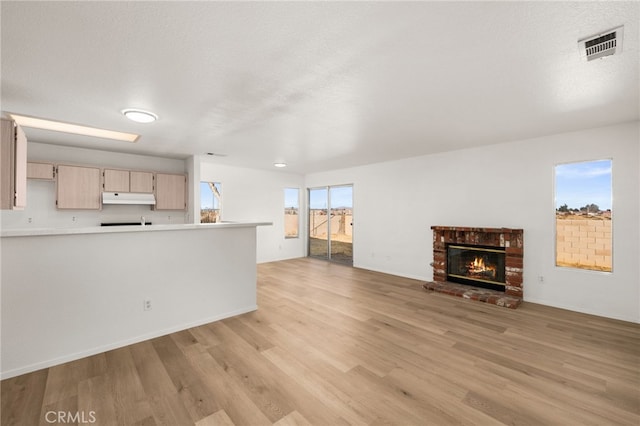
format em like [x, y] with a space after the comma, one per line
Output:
[584, 243]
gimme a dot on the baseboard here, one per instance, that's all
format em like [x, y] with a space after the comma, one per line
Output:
[394, 273]
[581, 310]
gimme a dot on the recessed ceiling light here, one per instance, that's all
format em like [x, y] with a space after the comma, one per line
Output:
[280, 164]
[139, 116]
[76, 129]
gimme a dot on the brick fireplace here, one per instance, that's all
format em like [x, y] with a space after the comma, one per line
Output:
[503, 288]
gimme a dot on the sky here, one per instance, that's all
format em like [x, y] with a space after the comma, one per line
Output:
[207, 200]
[579, 184]
[292, 197]
[341, 196]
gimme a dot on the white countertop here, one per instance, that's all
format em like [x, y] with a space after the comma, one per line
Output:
[33, 232]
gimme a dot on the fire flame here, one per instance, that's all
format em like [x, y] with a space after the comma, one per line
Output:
[479, 267]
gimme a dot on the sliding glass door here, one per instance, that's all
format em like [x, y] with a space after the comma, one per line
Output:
[331, 223]
[319, 223]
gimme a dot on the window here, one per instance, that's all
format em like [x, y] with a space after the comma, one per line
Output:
[584, 215]
[210, 194]
[291, 210]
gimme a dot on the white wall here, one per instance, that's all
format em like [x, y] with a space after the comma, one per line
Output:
[41, 210]
[258, 196]
[503, 185]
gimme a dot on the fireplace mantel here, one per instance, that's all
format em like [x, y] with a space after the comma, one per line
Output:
[509, 239]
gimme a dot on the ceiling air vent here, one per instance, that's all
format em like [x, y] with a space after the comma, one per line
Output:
[601, 45]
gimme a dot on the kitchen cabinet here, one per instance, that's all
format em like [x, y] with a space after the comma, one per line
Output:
[141, 182]
[127, 181]
[13, 166]
[78, 187]
[116, 180]
[41, 171]
[171, 192]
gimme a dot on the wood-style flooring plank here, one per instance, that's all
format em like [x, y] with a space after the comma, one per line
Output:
[126, 388]
[219, 418]
[23, 398]
[293, 419]
[229, 395]
[315, 378]
[169, 410]
[274, 392]
[95, 397]
[63, 379]
[193, 393]
[151, 371]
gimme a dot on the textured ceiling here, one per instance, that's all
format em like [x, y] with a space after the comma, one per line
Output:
[319, 85]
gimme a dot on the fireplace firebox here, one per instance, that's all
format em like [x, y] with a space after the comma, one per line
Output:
[477, 266]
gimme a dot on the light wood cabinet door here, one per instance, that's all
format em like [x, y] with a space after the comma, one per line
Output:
[116, 180]
[141, 182]
[13, 166]
[20, 170]
[6, 161]
[171, 192]
[78, 188]
[41, 171]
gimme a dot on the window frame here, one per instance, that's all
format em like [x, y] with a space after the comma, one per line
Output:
[608, 215]
[218, 186]
[297, 208]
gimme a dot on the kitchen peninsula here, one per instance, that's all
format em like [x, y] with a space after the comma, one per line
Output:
[74, 292]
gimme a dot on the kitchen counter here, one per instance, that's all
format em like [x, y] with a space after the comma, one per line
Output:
[75, 292]
[30, 232]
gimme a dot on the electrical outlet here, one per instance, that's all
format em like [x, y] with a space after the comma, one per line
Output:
[147, 304]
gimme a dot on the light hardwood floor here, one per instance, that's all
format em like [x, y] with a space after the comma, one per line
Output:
[335, 345]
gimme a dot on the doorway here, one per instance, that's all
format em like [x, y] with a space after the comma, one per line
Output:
[331, 223]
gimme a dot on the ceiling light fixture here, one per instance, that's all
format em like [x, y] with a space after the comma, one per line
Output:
[139, 116]
[280, 165]
[76, 129]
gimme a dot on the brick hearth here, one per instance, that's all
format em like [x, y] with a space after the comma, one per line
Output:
[493, 297]
[509, 239]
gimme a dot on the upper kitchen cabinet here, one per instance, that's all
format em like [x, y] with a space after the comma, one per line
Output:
[40, 171]
[141, 182]
[127, 181]
[78, 188]
[116, 180]
[171, 192]
[13, 167]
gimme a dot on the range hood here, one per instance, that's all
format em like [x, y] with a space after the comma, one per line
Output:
[128, 198]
